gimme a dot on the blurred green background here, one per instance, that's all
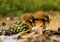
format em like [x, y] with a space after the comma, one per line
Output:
[18, 7]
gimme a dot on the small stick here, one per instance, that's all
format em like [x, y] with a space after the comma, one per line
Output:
[19, 34]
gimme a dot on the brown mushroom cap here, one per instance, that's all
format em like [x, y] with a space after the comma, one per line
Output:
[28, 20]
[27, 17]
[41, 15]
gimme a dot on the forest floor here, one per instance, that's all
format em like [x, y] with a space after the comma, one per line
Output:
[54, 21]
